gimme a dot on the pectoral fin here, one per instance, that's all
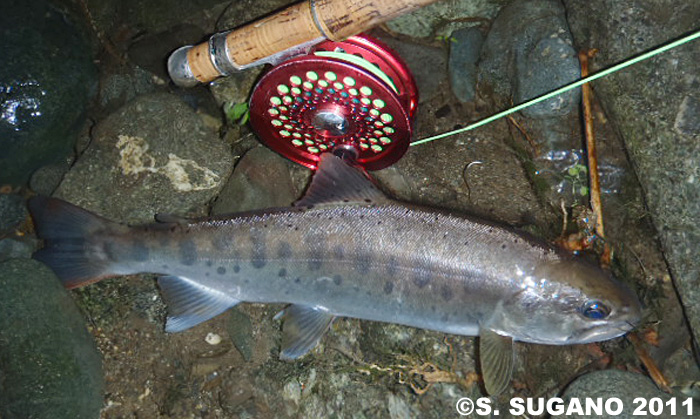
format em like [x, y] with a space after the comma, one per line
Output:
[496, 355]
[302, 329]
[190, 303]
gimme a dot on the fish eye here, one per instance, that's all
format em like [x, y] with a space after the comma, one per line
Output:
[595, 310]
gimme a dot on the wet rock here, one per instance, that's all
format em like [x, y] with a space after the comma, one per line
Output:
[123, 84]
[240, 330]
[626, 387]
[465, 47]
[651, 104]
[442, 17]
[245, 11]
[49, 366]
[427, 64]
[47, 178]
[150, 51]
[12, 212]
[15, 249]
[261, 180]
[46, 81]
[235, 88]
[529, 52]
[154, 155]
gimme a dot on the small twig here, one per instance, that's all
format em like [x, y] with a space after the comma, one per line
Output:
[533, 144]
[653, 370]
[596, 203]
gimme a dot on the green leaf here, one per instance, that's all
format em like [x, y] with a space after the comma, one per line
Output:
[583, 190]
[237, 112]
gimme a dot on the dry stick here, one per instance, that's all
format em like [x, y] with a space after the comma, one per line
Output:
[596, 203]
[653, 370]
[583, 56]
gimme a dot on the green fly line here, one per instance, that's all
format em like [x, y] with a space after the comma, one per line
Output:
[565, 88]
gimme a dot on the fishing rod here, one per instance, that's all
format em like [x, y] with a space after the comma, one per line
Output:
[287, 33]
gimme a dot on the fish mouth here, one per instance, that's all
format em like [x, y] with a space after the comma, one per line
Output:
[602, 332]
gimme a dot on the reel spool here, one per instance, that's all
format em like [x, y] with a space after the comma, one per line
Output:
[355, 98]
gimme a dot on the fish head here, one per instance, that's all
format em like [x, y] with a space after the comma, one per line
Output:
[567, 302]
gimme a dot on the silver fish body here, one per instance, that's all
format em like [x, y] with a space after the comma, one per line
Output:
[348, 251]
[392, 262]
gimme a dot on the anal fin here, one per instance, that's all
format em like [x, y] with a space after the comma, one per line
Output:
[302, 329]
[190, 303]
[496, 356]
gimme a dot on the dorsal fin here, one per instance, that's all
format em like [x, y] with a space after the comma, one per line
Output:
[336, 182]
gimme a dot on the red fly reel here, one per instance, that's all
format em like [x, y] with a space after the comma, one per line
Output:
[354, 96]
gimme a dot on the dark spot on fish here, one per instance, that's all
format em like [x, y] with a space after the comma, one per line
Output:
[446, 293]
[258, 256]
[337, 279]
[445, 317]
[338, 252]
[367, 200]
[503, 246]
[310, 206]
[362, 216]
[236, 268]
[139, 251]
[282, 273]
[246, 281]
[346, 200]
[422, 277]
[388, 287]
[379, 222]
[369, 293]
[490, 230]
[206, 274]
[165, 266]
[219, 242]
[188, 252]
[364, 262]
[297, 280]
[515, 241]
[296, 228]
[432, 308]
[210, 262]
[220, 270]
[392, 266]
[284, 250]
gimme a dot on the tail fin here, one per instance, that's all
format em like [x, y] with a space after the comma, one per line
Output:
[66, 229]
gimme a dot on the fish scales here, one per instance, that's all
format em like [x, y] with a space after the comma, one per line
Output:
[438, 266]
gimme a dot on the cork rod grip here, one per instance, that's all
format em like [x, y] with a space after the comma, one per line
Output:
[301, 23]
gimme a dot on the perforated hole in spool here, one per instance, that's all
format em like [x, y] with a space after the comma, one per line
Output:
[315, 103]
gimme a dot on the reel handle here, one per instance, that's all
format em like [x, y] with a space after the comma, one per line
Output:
[282, 35]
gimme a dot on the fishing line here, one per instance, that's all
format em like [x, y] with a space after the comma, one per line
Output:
[565, 88]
